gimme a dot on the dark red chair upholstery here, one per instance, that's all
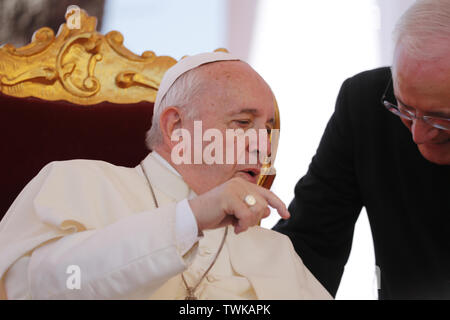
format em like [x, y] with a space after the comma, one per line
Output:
[34, 132]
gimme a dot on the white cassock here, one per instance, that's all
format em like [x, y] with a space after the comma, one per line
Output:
[102, 218]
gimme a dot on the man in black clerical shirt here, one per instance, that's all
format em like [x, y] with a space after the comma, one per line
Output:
[387, 148]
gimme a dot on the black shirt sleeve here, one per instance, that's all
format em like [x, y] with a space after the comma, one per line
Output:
[327, 201]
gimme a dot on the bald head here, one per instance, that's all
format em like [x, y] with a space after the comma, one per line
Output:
[423, 31]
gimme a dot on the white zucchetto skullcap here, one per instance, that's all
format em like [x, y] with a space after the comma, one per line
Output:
[183, 66]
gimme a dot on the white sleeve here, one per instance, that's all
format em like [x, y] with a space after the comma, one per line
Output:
[186, 229]
[127, 259]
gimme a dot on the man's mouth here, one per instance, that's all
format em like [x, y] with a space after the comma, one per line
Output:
[444, 142]
[251, 174]
[438, 143]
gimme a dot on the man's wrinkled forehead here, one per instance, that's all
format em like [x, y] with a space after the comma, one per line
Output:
[236, 84]
[422, 82]
[225, 75]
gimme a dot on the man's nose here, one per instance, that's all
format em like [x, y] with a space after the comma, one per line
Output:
[422, 132]
[263, 147]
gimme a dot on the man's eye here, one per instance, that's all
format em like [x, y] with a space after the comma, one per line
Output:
[243, 122]
[405, 110]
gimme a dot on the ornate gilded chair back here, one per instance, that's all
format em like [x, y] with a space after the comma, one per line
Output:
[81, 66]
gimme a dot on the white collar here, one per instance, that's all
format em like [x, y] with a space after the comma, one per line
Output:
[165, 163]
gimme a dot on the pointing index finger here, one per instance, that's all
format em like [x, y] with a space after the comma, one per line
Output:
[275, 202]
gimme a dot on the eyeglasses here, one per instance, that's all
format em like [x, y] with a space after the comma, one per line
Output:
[403, 112]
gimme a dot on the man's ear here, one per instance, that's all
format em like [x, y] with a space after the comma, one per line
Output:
[169, 121]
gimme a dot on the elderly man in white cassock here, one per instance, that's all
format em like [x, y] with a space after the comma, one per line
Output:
[164, 229]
